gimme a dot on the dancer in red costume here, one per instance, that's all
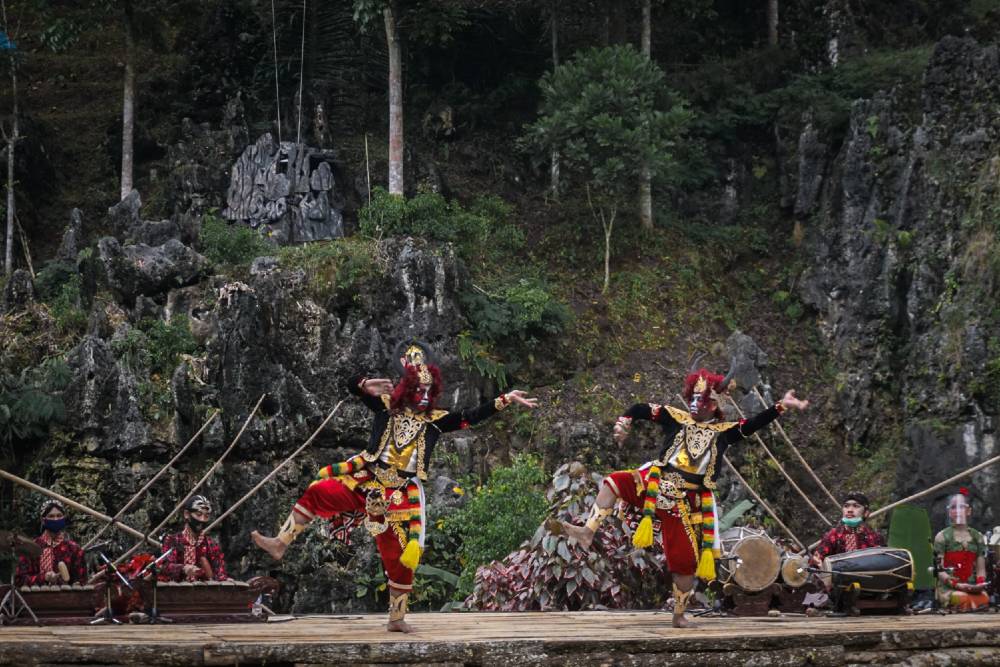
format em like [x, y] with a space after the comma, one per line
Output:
[385, 480]
[677, 487]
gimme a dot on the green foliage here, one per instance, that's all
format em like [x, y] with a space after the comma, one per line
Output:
[30, 401]
[603, 112]
[552, 572]
[513, 318]
[500, 515]
[226, 244]
[58, 285]
[155, 345]
[480, 229]
[335, 268]
[168, 341]
[480, 357]
[524, 310]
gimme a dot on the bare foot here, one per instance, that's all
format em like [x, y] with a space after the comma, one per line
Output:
[680, 621]
[399, 626]
[583, 535]
[274, 547]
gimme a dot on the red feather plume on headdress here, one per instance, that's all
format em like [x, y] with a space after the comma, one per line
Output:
[964, 491]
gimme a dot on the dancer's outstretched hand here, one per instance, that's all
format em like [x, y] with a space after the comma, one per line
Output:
[519, 397]
[377, 386]
[789, 401]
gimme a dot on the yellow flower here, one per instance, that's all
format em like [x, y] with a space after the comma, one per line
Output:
[458, 491]
[637, 377]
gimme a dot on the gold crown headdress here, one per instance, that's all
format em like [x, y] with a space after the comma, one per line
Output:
[417, 354]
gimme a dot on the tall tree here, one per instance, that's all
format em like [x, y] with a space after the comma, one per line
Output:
[645, 176]
[608, 111]
[772, 22]
[7, 44]
[554, 165]
[396, 143]
[365, 13]
[128, 100]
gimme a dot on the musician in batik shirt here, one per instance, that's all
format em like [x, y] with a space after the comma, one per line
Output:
[61, 561]
[677, 488]
[961, 553]
[195, 555]
[852, 533]
[385, 481]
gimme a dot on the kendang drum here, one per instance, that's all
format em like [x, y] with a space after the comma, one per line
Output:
[751, 559]
[794, 570]
[875, 570]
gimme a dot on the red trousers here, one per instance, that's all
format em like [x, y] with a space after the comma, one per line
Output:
[681, 555]
[329, 497]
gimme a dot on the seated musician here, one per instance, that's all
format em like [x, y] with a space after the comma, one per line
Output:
[852, 533]
[961, 551]
[61, 561]
[195, 556]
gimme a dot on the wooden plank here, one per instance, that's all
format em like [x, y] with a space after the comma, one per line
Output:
[585, 638]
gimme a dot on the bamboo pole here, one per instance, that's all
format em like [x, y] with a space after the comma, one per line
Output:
[204, 478]
[763, 503]
[795, 450]
[274, 472]
[757, 496]
[150, 483]
[781, 468]
[77, 506]
[920, 494]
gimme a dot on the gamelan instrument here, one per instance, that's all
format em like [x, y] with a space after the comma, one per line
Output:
[751, 559]
[794, 570]
[65, 602]
[875, 570]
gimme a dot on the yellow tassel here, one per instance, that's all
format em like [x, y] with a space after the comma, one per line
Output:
[706, 566]
[411, 555]
[643, 534]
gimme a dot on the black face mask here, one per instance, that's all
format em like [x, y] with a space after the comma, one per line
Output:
[197, 526]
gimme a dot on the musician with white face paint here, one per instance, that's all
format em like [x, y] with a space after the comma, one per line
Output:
[961, 553]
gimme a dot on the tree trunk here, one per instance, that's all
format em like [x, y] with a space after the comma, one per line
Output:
[772, 22]
[554, 172]
[8, 260]
[609, 225]
[646, 178]
[128, 105]
[395, 99]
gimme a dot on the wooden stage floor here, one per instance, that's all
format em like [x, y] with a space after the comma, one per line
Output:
[585, 638]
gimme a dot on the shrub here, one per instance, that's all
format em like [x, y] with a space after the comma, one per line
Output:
[334, 267]
[484, 224]
[224, 243]
[499, 516]
[524, 310]
[30, 401]
[58, 285]
[167, 342]
[549, 572]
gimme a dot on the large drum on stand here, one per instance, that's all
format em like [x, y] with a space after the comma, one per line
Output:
[875, 570]
[750, 559]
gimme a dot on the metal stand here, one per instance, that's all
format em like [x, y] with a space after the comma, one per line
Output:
[153, 569]
[109, 615]
[13, 603]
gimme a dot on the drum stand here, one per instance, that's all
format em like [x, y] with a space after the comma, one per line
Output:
[9, 609]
